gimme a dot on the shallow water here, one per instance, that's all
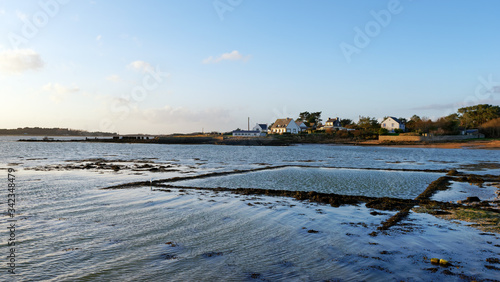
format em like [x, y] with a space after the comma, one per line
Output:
[459, 191]
[69, 229]
[372, 183]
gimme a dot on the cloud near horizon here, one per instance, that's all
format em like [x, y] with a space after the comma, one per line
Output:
[58, 92]
[18, 61]
[140, 66]
[233, 56]
[494, 98]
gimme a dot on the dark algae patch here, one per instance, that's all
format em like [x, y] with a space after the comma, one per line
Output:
[212, 254]
[441, 183]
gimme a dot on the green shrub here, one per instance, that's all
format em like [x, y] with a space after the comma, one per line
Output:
[383, 131]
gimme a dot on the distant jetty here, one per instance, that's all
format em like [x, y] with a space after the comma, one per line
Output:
[182, 139]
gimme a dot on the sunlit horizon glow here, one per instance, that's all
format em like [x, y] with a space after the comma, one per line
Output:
[162, 67]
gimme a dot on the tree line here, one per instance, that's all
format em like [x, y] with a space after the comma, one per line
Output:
[484, 117]
[40, 131]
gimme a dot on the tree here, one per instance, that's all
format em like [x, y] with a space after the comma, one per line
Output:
[346, 122]
[403, 120]
[491, 128]
[383, 131]
[311, 119]
[448, 124]
[474, 116]
[367, 123]
[411, 124]
[424, 125]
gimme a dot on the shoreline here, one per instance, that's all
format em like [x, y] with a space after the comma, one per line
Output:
[489, 144]
[471, 144]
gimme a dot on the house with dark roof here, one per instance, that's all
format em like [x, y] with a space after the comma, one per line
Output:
[302, 125]
[283, 125]
[262, 127]
[392, 123]
[332, 123]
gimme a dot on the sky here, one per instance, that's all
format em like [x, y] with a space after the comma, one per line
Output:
[180, 66]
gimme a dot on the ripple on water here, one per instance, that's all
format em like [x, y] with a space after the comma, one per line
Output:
[374, 183]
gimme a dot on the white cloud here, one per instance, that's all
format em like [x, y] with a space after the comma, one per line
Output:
[59, 92]
[140, 66]
[2, 12]
[99, 37]
[19, 61]
[233, 56]
[114, 78]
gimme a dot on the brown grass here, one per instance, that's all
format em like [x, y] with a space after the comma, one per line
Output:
[485, 220]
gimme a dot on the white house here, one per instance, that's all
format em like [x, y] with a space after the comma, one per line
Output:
[283, 125]
[248, 133]
[302, 125]
[392, 123]
[262, 127]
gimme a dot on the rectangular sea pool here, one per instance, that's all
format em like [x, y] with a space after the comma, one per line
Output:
[372, 183]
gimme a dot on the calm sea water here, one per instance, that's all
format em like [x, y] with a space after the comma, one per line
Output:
[69, 229]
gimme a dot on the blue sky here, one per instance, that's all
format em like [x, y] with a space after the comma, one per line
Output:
[161, 67]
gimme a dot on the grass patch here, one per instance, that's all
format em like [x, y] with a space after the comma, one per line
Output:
[486, 220]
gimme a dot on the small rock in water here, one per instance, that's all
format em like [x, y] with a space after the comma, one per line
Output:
[212, 254]
[447, 272]
[171, 244]
[312, 231]
[493, 260]
[472, 199]
[168, 256]
[255, 275]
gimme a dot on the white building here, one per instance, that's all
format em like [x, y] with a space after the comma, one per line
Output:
[262, 127]
[303, 127]
[248, 133]
[283, 125]
[392, 123]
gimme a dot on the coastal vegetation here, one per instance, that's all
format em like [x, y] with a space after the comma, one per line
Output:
[484, 117]
[41, 131]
